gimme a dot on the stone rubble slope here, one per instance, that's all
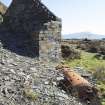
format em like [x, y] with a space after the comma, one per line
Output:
[26, 80]
[19, 74]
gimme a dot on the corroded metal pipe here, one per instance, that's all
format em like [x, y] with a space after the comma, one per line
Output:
[74, 78]
[84, 89]
[80, 85]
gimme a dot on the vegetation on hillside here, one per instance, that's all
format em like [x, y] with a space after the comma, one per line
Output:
[93, 61]
[87, 60]
[93, 46]
[69, 53]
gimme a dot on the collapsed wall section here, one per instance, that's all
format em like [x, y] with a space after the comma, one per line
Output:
[32, 18]
[49, 41]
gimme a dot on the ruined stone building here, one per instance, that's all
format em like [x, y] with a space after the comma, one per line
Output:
[32, 17]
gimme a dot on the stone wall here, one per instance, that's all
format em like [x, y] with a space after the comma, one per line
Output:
[32, 18]
[49, 38]
[49, 41]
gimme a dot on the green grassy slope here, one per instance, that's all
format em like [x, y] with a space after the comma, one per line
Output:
[87, 61]
[90, 63]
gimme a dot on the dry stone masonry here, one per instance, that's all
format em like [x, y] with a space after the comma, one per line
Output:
[33, 18]
[29, 29]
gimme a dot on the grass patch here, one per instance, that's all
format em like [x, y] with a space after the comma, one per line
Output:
[30, 94]
[87, 61]
[101, 88]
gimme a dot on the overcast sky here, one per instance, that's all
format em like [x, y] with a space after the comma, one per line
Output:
[78, 15]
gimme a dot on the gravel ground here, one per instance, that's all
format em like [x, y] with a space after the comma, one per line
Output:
[22, 78]
[29, 81]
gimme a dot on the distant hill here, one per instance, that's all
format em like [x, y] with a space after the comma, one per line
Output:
[83, 35]
[3, 8]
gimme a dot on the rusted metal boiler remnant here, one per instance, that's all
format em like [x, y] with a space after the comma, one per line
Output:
[84, 89]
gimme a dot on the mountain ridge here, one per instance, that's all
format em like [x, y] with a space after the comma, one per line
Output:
[83, 35]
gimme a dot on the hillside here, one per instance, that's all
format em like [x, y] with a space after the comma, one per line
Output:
[83, 35]
[87, 61]
[28, 81]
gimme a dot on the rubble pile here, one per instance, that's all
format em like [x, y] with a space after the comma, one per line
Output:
[27, 81]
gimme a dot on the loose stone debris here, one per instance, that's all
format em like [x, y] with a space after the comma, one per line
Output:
[26, 79]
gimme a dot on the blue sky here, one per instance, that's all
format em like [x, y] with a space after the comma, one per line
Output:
[78, 15]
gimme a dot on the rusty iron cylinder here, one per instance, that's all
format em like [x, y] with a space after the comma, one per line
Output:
[83, 87]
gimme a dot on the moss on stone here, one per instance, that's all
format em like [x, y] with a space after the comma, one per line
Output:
[30, 94]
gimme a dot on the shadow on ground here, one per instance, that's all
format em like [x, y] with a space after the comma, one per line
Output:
[64, 84]
[19, 43]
